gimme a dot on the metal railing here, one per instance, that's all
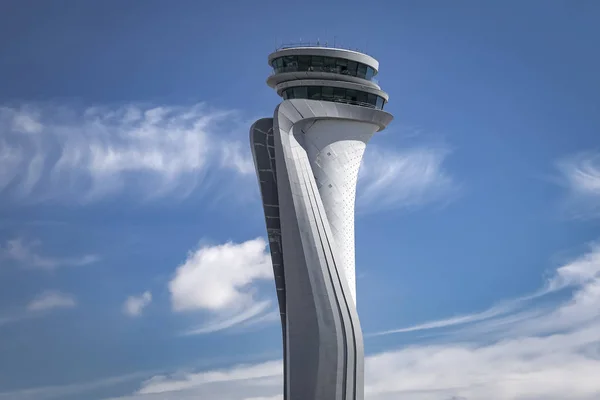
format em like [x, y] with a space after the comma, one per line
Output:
[318, 43]
[354, 102]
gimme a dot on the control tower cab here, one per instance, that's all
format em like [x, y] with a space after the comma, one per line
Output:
[326, 74]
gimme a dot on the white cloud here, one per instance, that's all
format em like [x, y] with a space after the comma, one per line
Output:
[404, 178]
[163, 384]
[581, 175]
[582, 273]
[51, 299]
[553, 354]
[65, 153]
[218, 279]
[69, 154]
[550, 367]
[134, 305]
[556, 367]
[453, 321]
[253, 313]
[544, 348]
[235, 155]
[26, 255]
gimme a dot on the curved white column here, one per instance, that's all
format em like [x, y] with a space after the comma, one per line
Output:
[324, 346]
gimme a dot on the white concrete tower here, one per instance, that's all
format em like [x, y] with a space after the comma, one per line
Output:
[334, 147]
[307, 159]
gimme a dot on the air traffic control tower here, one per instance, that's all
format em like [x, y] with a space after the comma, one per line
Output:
[307, 159]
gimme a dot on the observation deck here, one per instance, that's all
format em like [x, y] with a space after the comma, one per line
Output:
[326, 74]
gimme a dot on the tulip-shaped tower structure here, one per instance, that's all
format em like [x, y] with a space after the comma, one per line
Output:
[307, 159]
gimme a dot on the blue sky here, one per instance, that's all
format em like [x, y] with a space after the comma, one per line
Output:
[133, 262]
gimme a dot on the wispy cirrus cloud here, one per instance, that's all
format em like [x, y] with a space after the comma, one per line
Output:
[580, 173]
[73, 154]
[218, 280]
[57, 152]
[582, 275]
[404, 178]
[51, 299]
[27, 255]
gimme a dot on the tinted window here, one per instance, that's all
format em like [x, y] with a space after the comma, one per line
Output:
[371, 99]
[289, 61]
[328, 93]
[329, 64]
[301, 92]
[370, 73]
[362, 97]
[342, 66]
[351, 95]
[324, 64]
[339, 94]
[314, 92]
[303, 63]
[317, 63]
[352, 65]
[361, 71]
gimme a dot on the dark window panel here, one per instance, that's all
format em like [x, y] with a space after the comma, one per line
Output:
[371, 99]
[300, 92]
[352, 66]
[317, 63]
[290, 63]
[339, 94]
[303, 63]
[325, 64]
[370, 73]
[352, 95]
[329, 64]
[314, 92]
[361, 72]
[327, 93]
[278, 64]
[342, 66]
[362, 97]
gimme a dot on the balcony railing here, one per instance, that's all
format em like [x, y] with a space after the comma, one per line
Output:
[318, 43]
[354, 102]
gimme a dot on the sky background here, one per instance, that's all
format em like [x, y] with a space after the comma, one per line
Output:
[133, 261]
